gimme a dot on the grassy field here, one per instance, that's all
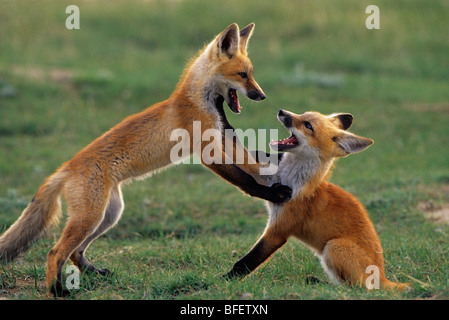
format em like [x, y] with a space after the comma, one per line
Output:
[183, 228]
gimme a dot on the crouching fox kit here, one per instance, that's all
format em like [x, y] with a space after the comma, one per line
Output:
[325, 217]
[138, 146]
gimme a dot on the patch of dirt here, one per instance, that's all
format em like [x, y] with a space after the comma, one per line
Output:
[436, 204]
[23, 287]
[429, 107]
[435, 213]
[61, 76]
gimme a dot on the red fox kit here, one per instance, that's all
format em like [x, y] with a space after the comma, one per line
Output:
[136, 147]
[325, 217]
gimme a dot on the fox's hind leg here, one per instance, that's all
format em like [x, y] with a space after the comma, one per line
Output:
[344, 261]
[86, 209]
[112, 214]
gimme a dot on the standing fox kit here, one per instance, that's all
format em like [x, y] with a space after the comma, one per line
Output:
[325, 217]
[136, 147]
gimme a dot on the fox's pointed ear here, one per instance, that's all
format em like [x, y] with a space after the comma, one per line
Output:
[351, 143]
[245, 34]
[228, 40]
[342, 120]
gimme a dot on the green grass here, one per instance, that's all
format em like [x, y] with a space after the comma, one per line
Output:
[183, 228]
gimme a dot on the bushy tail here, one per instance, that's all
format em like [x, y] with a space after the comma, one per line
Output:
[43, 211]
[390, 285]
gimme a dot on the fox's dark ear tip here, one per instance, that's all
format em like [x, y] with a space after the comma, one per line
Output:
[233, 25]
[247, 30]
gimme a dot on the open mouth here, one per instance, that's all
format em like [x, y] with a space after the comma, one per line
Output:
[285, 144]
[233, 101]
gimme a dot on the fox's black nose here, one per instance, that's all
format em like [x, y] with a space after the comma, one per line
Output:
[285, 118]
[256, 95]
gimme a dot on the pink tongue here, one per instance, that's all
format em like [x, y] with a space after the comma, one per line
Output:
[235, 99]
[291, 140]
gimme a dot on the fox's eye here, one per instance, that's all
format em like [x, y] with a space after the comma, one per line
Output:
[243, 75]
[308, 125]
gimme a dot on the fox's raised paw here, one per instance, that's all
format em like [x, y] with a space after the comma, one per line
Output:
[281, 193]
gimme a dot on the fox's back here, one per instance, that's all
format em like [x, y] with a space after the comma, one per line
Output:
[135, 146]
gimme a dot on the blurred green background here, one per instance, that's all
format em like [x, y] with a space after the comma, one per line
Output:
[60, 89]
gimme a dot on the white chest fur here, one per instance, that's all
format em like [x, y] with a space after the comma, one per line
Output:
[293, 171]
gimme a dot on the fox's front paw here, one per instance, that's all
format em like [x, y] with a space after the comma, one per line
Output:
[281, 193]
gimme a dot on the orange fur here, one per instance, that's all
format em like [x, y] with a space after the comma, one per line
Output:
[328, 219]
[137, 147]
